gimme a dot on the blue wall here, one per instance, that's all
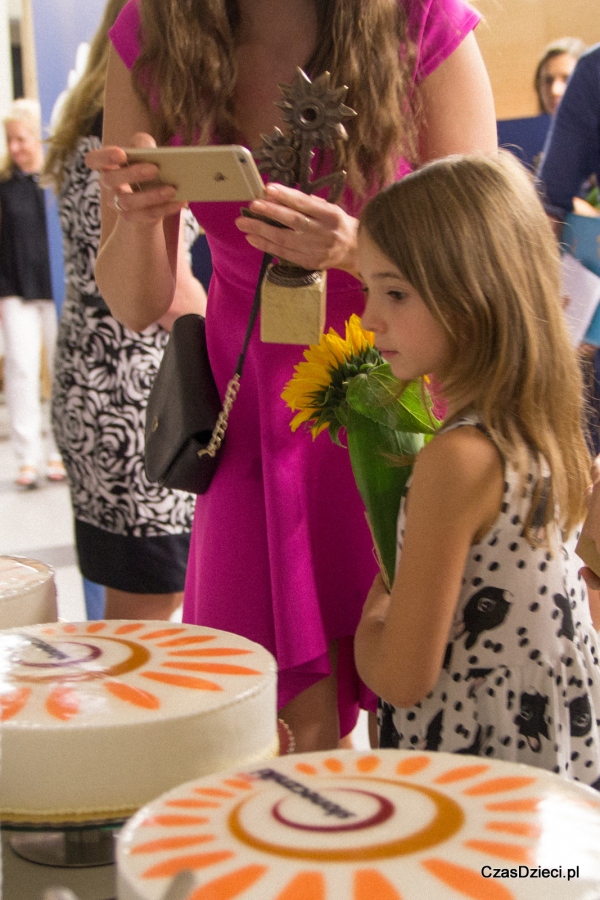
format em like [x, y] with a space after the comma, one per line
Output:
[59, 27]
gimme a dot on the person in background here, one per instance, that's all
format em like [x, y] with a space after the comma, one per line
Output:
[485, 644]
[27, 309]
[131, 536]
[570, 161]
[572, 151]
[271, 558]
[553, 70]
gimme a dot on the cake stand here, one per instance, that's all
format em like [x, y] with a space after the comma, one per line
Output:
[65, 844]
[24, 880]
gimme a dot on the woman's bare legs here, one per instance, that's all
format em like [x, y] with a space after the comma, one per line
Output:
[373, 731]
[313, 715]
[125, 605]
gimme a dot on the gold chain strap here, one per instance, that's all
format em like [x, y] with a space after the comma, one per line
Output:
[233, 387]
[221, 426]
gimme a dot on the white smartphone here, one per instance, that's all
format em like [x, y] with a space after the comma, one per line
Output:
[204, 174]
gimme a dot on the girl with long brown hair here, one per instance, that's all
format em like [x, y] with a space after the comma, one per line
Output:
[280, 550]
[485, 644]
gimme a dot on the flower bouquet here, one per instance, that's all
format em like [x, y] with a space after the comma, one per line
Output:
[346, 384]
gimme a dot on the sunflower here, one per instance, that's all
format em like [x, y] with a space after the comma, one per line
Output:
[346, 383]
[319, 385]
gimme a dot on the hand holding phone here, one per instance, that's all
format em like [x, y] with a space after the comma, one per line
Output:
[204, 174]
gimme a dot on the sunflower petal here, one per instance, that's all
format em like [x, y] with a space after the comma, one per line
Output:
[305, 415]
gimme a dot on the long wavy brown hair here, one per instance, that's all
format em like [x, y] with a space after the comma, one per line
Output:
[84, 101]
[363, 43]
[471, 236]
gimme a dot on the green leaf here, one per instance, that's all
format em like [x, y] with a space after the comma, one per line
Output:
[375, 394]
[341, 413]
[380, 482]
[334, 433]
[593, 197]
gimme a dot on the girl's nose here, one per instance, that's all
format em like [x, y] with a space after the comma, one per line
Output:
[366, 320]
[371, 321]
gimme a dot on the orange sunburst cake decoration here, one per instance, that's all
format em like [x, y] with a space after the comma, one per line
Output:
[98, 718]
[385, 825]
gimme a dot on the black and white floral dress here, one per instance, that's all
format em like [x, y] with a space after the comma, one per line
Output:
[130, 534]
[521, 675]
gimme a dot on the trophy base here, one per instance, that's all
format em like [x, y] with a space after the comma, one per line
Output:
[293, 315]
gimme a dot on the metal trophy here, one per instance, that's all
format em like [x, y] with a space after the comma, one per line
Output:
[293, 298]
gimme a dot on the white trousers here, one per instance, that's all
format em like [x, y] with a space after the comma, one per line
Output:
[26, 324]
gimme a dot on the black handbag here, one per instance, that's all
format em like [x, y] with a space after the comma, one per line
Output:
[185, 420]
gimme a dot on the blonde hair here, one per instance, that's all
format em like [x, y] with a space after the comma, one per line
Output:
[360, 43]
[470, 235]
[83, 102]
[27, 112]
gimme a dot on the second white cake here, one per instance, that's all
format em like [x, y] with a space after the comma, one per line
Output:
[27, 592]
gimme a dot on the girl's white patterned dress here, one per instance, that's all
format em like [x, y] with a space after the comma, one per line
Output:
[521, 674]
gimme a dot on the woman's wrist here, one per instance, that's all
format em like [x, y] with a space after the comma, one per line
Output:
[350, 260]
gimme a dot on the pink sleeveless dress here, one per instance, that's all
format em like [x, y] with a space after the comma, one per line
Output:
[280, 550]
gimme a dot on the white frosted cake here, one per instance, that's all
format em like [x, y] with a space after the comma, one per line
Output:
[98, 718]
[385, 825]
[27, 592]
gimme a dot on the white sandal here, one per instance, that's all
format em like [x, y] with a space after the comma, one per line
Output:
[55, 470]
[27, 477]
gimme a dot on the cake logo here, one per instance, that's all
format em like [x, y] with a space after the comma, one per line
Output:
[296, 787]
[119, 660]
[301, 826]
[246, 836]
[74, 660]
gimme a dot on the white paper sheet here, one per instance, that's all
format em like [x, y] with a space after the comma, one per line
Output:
[581, 294]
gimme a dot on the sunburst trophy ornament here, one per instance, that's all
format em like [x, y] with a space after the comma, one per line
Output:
[293, 298]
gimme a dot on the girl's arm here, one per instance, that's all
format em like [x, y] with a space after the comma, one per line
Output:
[454, 498]
[458, 116]
[139, 270]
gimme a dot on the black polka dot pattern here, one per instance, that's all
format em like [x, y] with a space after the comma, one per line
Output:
[521, 678]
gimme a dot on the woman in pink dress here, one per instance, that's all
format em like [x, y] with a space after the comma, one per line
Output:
[280, 549]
